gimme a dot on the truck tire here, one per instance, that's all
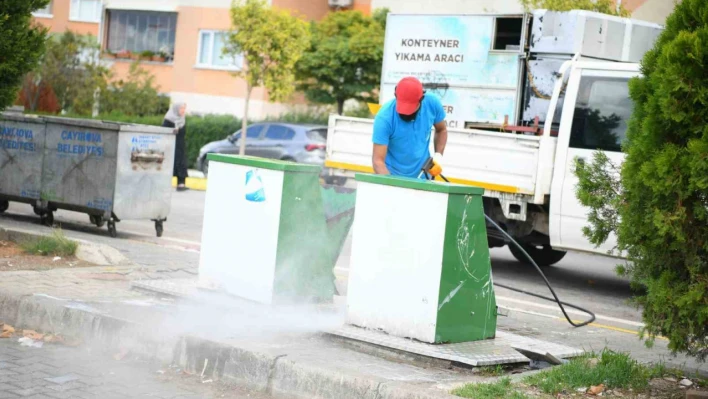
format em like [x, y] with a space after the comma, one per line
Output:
[543, 256]
[205, 167]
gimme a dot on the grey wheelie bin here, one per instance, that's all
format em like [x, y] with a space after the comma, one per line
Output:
[111, 171]
[21, 157]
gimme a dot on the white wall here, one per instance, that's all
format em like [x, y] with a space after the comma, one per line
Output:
[654, 11]
[166, 5]
[450, 6]
[208, 104]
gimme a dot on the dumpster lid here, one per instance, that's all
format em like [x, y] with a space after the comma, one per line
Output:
[264, 163]
[147, 129]
[90, 123]
[20, 117]
[418, 184]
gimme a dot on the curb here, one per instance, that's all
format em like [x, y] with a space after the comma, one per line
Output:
[275, 375]
[98, 254]
[193, 183]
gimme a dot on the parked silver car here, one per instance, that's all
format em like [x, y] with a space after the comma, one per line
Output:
[284, 141]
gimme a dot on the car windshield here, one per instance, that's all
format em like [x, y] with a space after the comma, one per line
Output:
[319, 135]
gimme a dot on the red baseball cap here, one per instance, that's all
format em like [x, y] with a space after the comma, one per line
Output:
[409, 92]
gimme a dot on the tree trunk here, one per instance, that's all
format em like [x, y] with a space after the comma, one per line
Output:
[340, 106]
[244, 122]
[34, 100]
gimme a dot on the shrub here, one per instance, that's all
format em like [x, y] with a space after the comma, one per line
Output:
[204, 129]
[659, 209]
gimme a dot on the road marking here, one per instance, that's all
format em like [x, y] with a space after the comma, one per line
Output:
[192, 183]
[554, 317]
[597, 325]
[623, 330]
[570, 311]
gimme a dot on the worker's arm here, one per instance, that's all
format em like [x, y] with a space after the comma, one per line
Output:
[440, 140]
[380, 138]
[379, 159]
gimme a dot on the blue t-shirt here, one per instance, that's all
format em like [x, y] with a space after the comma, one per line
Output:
[408, 142]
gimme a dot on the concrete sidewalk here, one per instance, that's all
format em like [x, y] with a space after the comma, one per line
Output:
[280, 352]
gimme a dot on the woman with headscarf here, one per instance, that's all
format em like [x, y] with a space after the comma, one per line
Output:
[175, 119]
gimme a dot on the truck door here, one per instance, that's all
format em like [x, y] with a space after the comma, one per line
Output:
[596, 111]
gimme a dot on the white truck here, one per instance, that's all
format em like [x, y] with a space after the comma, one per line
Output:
[525, 95]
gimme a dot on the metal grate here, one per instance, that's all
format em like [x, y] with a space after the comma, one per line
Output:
[499, 350]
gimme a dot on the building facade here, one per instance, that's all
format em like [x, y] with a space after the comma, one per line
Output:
[185, 38]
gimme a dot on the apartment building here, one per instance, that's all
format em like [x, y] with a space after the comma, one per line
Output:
[186, 37]
[190, 35]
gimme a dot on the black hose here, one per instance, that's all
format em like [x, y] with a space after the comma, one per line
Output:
[555, 297]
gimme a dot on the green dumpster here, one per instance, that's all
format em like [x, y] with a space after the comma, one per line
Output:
[268, 235]
[420, 264]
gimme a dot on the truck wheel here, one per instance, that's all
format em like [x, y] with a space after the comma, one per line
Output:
[205, 167]
[542, 255]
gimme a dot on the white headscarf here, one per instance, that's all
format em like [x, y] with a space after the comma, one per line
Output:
[173, 115]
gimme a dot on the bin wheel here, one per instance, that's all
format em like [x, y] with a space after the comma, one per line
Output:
[4, 205]
[98, 220]
[158, 228]
[112, 229]
[47, 218]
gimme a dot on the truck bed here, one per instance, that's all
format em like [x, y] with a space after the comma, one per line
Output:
[501, 163]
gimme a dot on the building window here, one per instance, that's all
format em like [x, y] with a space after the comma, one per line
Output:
[44, 12]
[85, 10]
[211, 45]
[142, 31]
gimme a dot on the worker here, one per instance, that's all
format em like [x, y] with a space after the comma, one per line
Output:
[402, 130]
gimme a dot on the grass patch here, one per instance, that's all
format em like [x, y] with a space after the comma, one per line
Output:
[492, 371]
[502, 389]
[613, 369]
[57, 244]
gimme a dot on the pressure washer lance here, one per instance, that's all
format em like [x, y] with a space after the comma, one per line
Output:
[431, 169]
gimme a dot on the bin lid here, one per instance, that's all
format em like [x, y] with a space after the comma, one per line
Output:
[89, 123]
[419, 184]
[145, 129]
[20, 117]
[264, 163]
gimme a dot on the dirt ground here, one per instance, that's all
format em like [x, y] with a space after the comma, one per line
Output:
[13, 259]
[659, 388]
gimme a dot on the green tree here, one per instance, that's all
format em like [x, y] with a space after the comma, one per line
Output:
[21, 45]
[603, 6]
[344, 59]
[658, 206]
[271, 42]
[380, 15]
[71, 66]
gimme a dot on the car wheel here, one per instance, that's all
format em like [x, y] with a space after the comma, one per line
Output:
[543, 255]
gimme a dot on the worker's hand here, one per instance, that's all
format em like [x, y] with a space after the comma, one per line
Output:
[437, 167]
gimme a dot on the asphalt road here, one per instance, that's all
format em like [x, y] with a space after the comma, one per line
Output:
[586, 280]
